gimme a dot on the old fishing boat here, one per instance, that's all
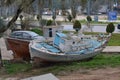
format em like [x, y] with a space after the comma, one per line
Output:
[18, 42]
[66, 48]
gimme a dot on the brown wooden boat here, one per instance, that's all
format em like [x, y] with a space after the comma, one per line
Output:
[18, 42]
[19, 47]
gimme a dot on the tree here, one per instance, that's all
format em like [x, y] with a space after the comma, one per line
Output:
[83, 4]
[49, 22]
[63, 7]
[77, 25]
[73, 9]
[22, 5]
[89, 19]
[21, 20]
[40, 9]
[2, 26]
[96, 6]
[69, 17]
[110, 28]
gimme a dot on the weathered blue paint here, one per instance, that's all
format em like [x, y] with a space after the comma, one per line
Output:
[38, 46]
[87, 48]
[58, 38]
[48, 47]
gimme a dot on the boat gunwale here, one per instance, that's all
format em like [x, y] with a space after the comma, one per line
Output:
[62, 53]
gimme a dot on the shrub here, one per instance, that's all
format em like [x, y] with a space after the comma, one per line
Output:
[38, 17]
[110, 28]
[89, 18]
[38, 31]
[43, 22]
[69, 17]
[77, 25]
[21, 16]
[49, 22]
[54, 17]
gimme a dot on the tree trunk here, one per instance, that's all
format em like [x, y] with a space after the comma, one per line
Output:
[40, 7]
[15, 16]
[1, 64]
[89, 26]
[20, 9]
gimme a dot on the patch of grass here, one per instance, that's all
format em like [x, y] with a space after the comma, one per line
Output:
[91, 33]
[38, 31]
[100, 61]
[94, 22]
[118, 18]
[115, 40]
[13, 68]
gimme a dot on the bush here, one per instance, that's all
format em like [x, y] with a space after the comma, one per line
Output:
[43, 22]
[54, 17]
[21, 17]
[89, 18]
[49, 22]
[110, 28]
[77, 25]
[38, 17]
[69, 17]
[38, 31]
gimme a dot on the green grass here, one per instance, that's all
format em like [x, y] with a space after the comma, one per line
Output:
[115, 40]
[38, 31]
[94, 22]
[13, 68]
[100, 61]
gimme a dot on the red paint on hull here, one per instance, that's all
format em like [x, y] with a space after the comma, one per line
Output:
[19, 47]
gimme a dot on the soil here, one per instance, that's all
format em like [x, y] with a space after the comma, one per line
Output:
[96, 74]
[82, 74]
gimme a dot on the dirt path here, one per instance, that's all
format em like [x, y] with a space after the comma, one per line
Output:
[99, 74]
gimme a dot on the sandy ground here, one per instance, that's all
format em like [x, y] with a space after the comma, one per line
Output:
[99, 74]
[6, 54]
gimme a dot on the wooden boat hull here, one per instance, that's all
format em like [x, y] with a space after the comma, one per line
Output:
[55, 52]
[46, 57]
[19, 47]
